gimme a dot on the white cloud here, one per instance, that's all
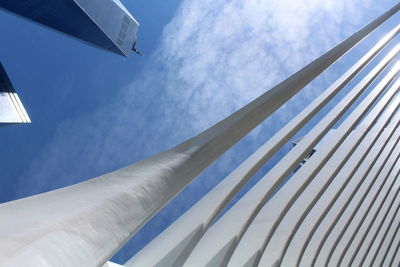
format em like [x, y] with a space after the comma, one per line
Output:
[219, 54]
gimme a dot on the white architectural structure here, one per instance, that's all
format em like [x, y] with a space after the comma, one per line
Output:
[339, 209]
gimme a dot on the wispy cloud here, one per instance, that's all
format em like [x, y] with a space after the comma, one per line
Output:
[223, 54]
[214, 57]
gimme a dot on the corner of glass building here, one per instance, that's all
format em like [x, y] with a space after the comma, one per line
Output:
[105, 24]
[12, 111]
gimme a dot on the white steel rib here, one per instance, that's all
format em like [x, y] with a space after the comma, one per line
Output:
[393, 251]
[276, 209]
[175, 244]
[369, 164]
[360, 240]
[219, 242]
[341, 166]
[387, 228]
[373, 218]
[376, 164]
[371, 202]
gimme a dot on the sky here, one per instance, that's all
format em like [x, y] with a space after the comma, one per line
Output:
[93, 111]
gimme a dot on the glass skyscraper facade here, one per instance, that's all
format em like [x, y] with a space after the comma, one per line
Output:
[103, 23]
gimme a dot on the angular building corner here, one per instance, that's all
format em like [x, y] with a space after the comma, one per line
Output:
[11, 109]
[103, 23]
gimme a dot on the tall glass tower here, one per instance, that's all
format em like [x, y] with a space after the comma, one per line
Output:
[103, 23]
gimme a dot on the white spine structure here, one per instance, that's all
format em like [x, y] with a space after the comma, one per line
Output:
[339, 209]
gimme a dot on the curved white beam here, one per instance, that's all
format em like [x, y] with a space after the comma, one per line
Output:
[377, 252]
[393, 254]
[270, 217]
[358, 211]
[352, 194]
[173, 245]
[325, 187]
[230, 228]
[374, 223]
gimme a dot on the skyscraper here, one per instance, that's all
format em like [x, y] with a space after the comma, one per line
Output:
[103, 23]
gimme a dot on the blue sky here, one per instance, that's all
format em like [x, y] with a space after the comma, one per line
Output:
[93, 111]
